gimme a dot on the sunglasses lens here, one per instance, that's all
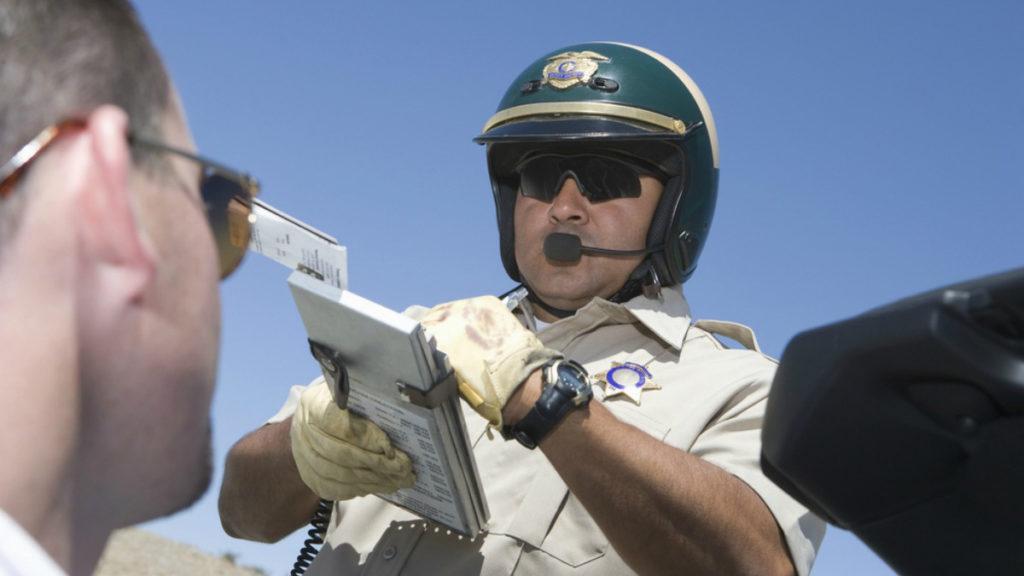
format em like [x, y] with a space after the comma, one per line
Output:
[228, 208]
[538, 178]
[600, 178]
[608, 179]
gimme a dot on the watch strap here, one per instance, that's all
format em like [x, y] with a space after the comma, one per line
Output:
[533, 427]
[556, 400]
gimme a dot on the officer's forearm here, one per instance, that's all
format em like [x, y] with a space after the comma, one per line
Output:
[665, 511]
[262, 497]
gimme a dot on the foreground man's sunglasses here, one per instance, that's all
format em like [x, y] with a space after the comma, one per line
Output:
[227, 194]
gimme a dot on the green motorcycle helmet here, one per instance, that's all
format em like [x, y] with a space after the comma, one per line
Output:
[621, 97]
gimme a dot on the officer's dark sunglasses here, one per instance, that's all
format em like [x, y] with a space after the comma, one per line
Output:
[227, 194]
[601, 176]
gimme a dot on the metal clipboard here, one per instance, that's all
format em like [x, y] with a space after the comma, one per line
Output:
[381, 366]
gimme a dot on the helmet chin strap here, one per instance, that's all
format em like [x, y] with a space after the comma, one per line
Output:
[643, 280]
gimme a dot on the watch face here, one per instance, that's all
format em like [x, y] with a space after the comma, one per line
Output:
[572, 376]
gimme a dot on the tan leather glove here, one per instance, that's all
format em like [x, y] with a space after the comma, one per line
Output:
[341, 455]
[490, 351]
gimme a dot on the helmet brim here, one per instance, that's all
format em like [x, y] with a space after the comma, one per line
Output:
[555, 129]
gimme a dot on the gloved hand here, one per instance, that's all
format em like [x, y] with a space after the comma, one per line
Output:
[490, 351]
[341, 455]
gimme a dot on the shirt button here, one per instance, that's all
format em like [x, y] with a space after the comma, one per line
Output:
[390, 552]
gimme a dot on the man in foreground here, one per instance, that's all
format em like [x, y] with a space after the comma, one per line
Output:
[108, 284]
[604, 164]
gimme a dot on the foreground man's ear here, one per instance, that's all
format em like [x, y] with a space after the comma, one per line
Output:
[111, 232]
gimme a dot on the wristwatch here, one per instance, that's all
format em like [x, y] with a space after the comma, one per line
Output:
[566, 386]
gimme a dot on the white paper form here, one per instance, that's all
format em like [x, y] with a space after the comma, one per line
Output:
[415, 435]
[297, 245]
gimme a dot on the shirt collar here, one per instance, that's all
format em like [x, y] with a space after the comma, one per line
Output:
[667, 316]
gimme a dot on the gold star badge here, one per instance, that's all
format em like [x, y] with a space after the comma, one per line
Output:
[629, 379]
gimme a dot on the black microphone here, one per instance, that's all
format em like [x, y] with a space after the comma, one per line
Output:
[568, 248]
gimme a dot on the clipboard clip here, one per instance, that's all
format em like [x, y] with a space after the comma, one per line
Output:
[333, 367]
[434, 397]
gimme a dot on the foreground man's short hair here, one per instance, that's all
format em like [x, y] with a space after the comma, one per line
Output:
[64, 58]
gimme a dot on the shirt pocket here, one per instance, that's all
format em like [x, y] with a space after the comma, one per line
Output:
[554, 522]
[574, 538]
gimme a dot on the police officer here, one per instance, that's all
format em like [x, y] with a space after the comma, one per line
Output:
[629, 434]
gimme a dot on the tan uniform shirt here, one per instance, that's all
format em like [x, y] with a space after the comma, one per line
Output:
[710, 403]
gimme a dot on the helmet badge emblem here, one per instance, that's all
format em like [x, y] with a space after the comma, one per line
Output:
[570, 69]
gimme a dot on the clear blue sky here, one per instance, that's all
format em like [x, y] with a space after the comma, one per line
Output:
[869, 150]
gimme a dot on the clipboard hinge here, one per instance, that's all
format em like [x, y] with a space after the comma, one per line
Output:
[333, 367]
[432, 398]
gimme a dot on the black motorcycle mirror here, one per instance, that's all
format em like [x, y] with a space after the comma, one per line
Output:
[905, 425]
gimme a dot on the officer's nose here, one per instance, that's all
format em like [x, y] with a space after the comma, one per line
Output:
[569, 204]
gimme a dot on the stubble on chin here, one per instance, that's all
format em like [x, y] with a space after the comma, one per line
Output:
[204, 468]
[199, 474]
[560, 284]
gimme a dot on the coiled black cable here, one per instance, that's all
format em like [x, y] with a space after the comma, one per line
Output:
[317, 530]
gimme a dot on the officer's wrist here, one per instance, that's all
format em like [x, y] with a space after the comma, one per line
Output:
[523, 399]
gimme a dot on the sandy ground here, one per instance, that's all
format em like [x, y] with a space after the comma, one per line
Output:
[137, 553]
